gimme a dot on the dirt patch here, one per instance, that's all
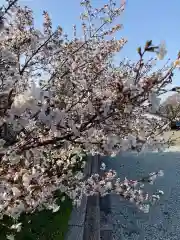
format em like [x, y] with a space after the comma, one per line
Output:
[174, 137]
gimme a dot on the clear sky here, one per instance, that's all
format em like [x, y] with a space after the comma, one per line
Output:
[142, 19]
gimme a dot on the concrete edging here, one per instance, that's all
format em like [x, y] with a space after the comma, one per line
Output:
[85, 221]
[87, 216]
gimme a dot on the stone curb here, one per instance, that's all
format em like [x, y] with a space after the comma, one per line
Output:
[85, 221]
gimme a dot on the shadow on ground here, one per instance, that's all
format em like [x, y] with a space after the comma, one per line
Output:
[163, 220]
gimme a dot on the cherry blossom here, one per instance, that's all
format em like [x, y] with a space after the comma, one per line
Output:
[161, 51]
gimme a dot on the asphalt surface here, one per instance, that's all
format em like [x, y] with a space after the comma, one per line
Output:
[163, 220]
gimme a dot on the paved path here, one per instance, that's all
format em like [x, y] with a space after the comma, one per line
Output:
[163, 221]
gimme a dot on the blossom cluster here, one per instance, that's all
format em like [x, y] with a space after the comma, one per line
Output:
[131, 190]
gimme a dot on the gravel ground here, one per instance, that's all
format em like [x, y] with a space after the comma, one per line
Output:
[163, 220]
[174, 136]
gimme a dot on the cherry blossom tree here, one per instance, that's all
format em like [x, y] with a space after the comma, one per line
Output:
[170, 107]
[62, 96]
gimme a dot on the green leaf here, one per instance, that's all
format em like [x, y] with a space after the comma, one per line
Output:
[139, 51]
[108, 20]
[148, 44]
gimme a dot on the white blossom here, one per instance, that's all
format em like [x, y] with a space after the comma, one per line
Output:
[161, 192]
[16, 191]
[26, 178]
[63, 199]
[55, 208]
[145, 208]
[103, 166]
[10, 237]
[23, 101]
[161, 51]
[161, 173]
[155, 102]
[17, 227]
[79, 175]
[109, 185]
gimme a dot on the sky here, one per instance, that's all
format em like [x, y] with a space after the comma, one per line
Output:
[156, 20]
